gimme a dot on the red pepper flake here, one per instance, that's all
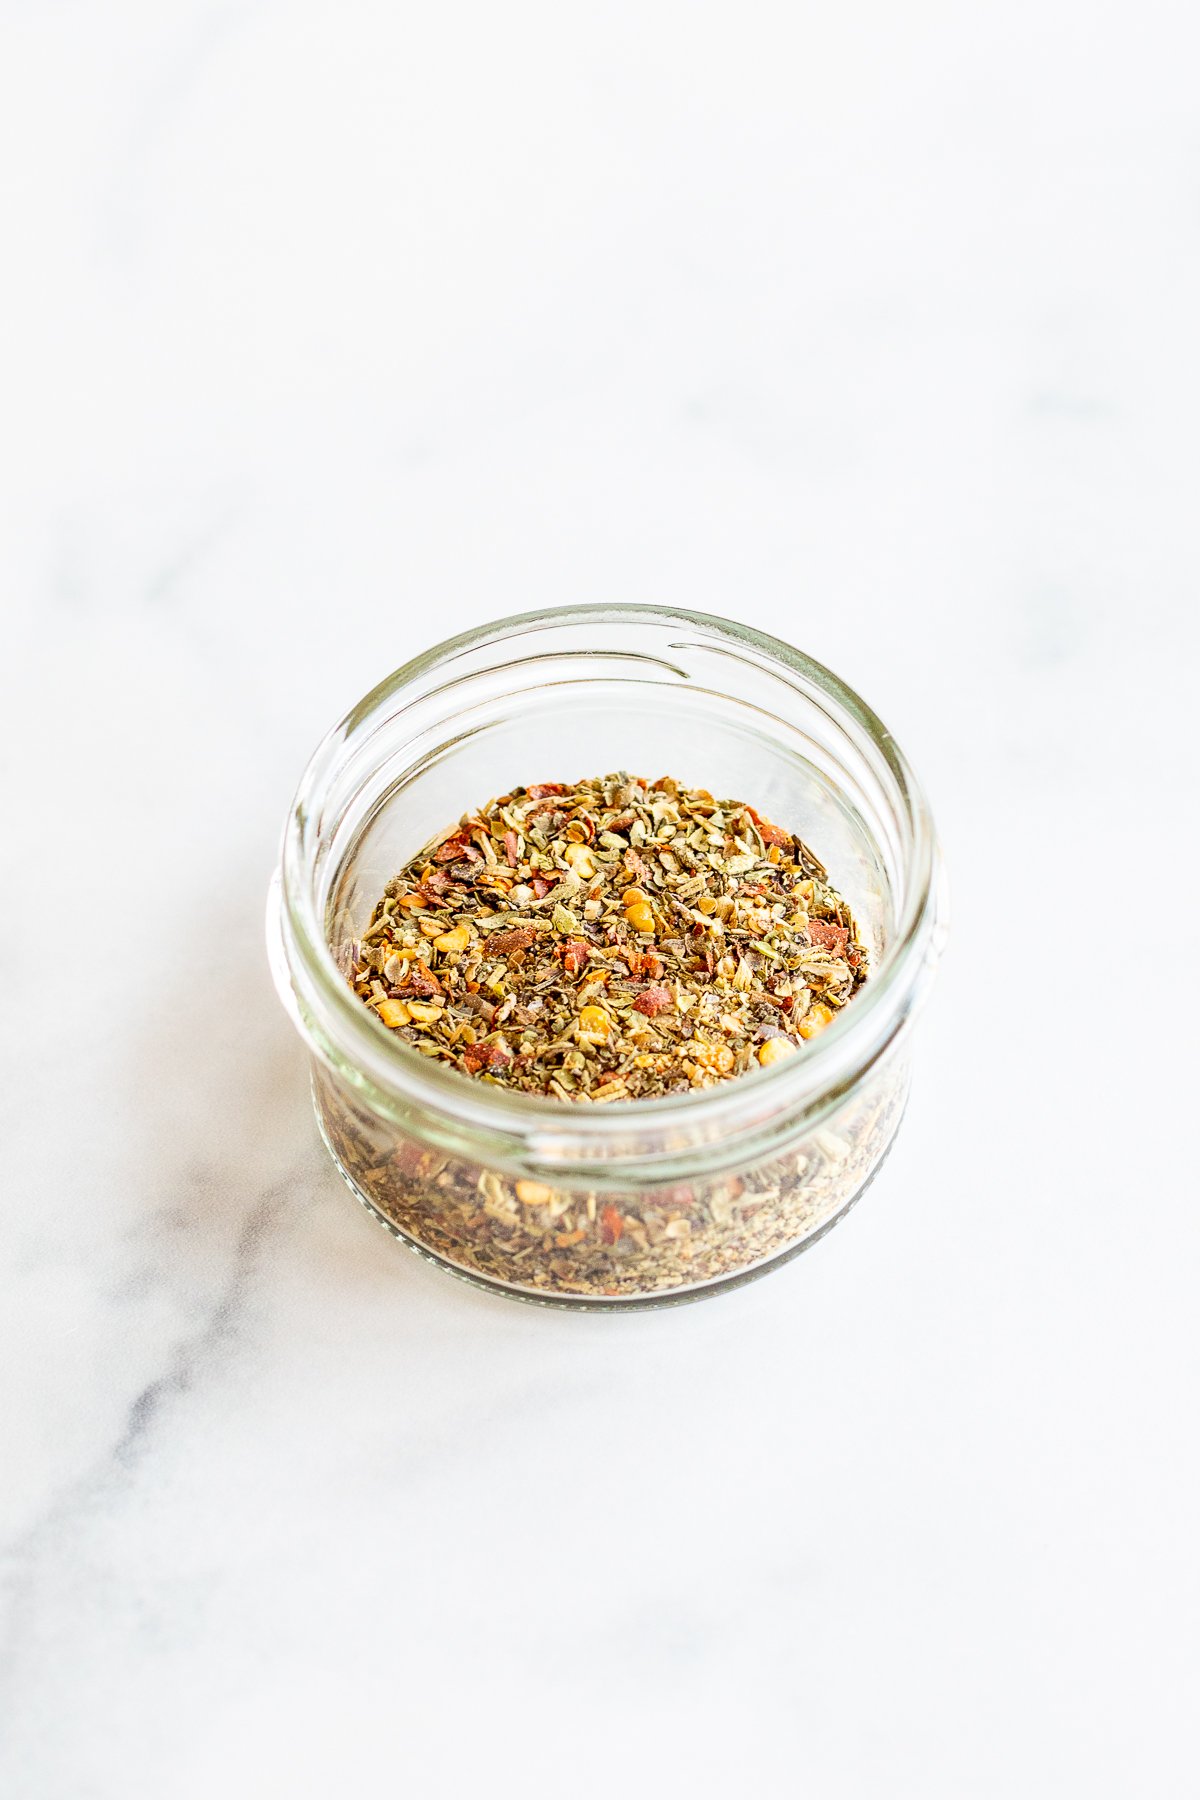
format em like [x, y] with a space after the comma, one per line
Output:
[575, 954]
[409, 1160]
[510, 849]
[654, 1000]
[421, 982]
[485, 1056]
[771, 834]
[458, 849]
[611, 1224]
[437, 883]
[645, 965]
[828, 937]
[519, 938]
[544, 788]
[541, 886]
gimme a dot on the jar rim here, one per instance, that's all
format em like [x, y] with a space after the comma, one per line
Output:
[358, 1045]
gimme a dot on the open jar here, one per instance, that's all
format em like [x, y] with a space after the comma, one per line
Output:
[638, 1202]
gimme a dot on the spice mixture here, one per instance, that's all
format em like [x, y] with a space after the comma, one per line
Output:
[610, 940]
[613, 939]
[607, 1246]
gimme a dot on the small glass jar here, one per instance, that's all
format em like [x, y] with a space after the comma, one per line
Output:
[641, 1202]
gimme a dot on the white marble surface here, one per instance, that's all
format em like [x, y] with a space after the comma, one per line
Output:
[329, 330]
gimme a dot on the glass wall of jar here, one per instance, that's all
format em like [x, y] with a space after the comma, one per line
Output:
[638, 1202]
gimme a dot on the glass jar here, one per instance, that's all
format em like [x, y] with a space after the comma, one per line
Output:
[641, 1202]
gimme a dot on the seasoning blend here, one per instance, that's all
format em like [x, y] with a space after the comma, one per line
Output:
[609, 940]
[607, 1042]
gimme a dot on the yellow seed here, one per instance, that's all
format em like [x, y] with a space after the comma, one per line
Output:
[815, 1019]
[452, 943]
[393, 1013]
[423, 1013]
[413, 902]
[581, 860]
[633, 896]
[706, 904]
[533, 1193]
[640, 917]
[716, 1058]
[429, 927]
[594, 1022]
[775, 1050]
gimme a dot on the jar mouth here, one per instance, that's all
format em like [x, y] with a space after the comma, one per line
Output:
[395, 1078]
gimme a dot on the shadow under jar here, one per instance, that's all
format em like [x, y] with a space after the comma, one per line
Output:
[638, 1202]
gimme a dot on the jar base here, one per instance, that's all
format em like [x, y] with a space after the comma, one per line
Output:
[560, 1301]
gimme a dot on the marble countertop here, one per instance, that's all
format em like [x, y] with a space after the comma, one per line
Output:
[331, 331]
